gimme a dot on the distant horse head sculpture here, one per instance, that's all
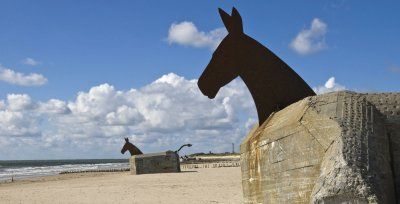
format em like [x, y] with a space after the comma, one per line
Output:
[272, 83]
[132, 148]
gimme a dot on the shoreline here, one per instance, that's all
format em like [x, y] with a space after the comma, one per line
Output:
[55, 177]
[25, 169]
[198, 162]
[34, 178]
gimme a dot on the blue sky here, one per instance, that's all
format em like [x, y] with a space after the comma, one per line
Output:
[74, 46]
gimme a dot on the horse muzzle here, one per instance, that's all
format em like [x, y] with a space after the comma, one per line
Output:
[206, 89]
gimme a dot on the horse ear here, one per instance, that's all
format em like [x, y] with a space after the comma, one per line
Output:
[226, 19]
[126, 139]
[236, 21]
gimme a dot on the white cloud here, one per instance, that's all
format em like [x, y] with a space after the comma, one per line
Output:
[186, 33]
[16, 118]
[310, 40]
[17, 78]
[17, 123]
[54, 106]
[18, 102]
[162, 115]
[30, 61]
[2, 105]
[330, 86]
[124, 115]
[99, 101]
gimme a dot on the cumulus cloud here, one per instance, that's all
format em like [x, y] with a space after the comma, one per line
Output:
[16, 118]
[17, 78]
[2, 105]
[162, 115]
[186, 33]
[17, 124]
[17, 102]
[329, 86]
[30, 61]
[310, 40]
[124, 115]
[53, 106]
[99, 101]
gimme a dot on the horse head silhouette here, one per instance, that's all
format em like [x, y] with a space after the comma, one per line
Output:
[132, 148]
[271, 82]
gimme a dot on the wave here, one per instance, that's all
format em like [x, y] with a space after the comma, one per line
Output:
[33, 171]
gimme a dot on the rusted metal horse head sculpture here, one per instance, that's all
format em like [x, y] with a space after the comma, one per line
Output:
[131, 148]
[272, 83]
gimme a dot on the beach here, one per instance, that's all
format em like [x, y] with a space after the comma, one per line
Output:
[200, 185]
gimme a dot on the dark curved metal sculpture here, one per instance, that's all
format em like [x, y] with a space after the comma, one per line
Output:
[185, 145]
[131, 148]
[272, 83]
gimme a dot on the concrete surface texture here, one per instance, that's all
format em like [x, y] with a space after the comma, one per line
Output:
[162, 162]
[331, 148]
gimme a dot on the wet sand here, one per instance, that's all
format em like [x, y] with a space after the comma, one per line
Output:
[203, 185]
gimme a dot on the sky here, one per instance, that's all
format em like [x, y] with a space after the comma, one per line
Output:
[76, 77]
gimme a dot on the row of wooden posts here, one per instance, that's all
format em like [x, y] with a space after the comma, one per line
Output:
[95, 170]
[210, 165]
[183, 166]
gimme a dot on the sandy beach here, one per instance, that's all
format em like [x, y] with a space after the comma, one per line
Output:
[202, 185]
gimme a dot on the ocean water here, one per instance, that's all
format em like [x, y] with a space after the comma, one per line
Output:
[20, 169]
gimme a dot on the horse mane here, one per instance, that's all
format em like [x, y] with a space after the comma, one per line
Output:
[133, 149]
[273, 84]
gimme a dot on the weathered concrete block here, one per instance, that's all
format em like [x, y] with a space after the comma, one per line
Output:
[162, 162]
[341, 147]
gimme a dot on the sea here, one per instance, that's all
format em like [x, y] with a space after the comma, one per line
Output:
[20, 169]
